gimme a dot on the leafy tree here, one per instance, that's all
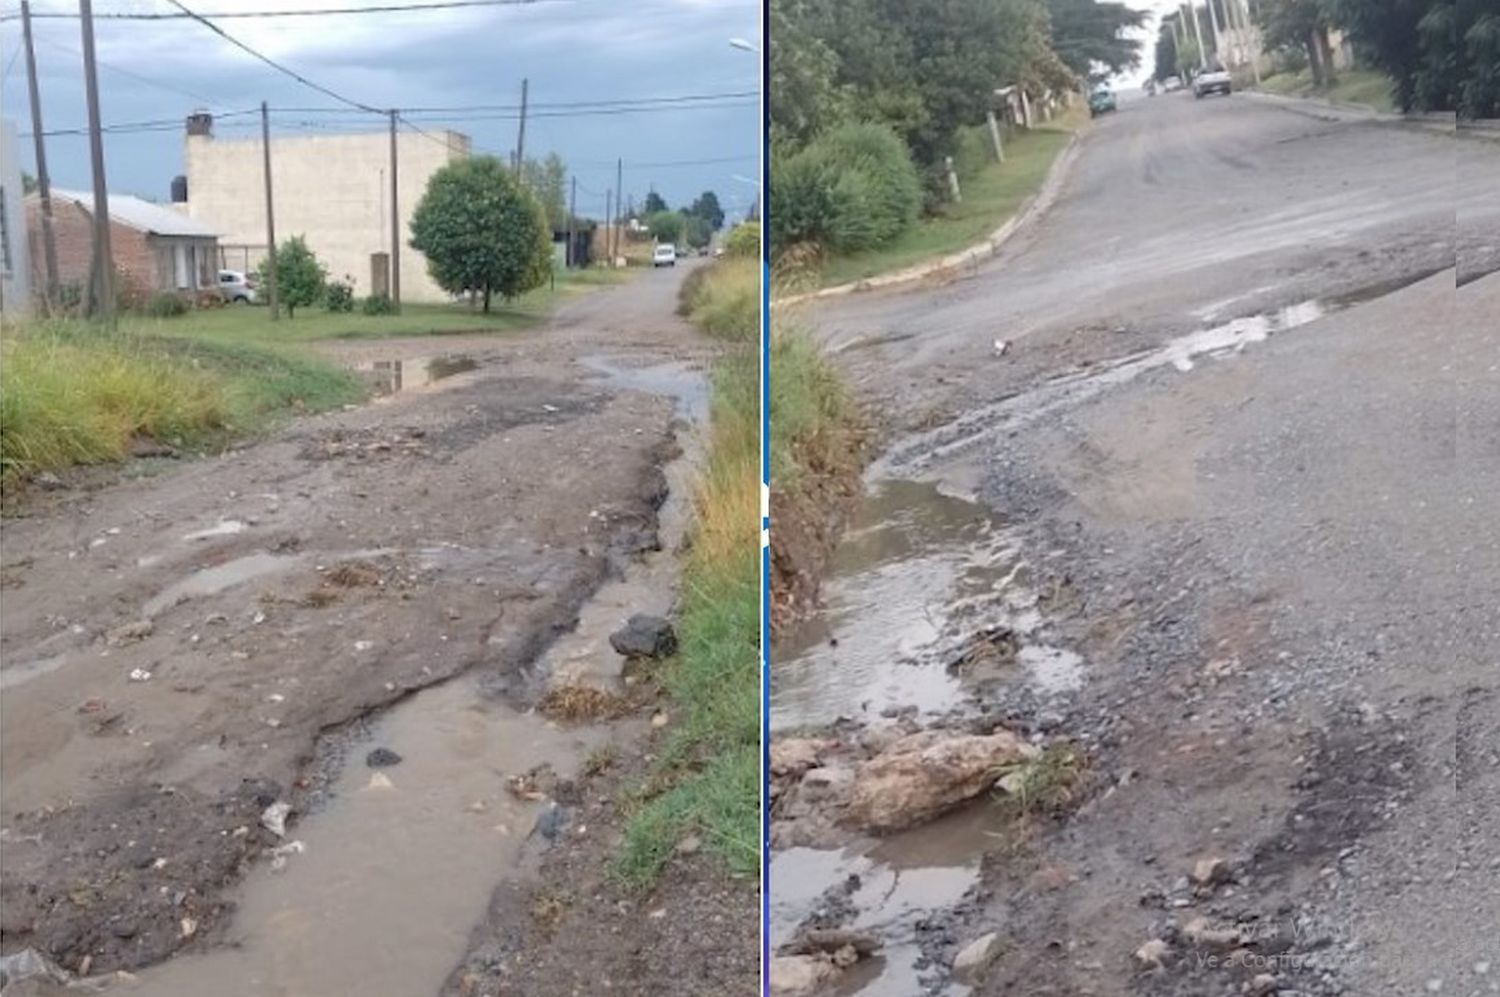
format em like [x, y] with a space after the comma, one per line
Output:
[854, 188]
[654, 203]
[1166, 53]
[696, 231]
[1088, 34]
[743, 240]
[28, 183]
[481, 233]
[548, 182]
[665, 226]
[1304, 24]
[1479, 52]
[707, 207]
[804, 92]
[1412, 41]
[300, 277]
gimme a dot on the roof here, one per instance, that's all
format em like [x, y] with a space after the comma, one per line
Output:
[141, 214]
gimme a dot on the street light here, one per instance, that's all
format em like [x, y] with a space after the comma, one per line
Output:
[744, 44]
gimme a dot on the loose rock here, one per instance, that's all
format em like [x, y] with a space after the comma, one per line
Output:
[1153, 954]
[645, 636]
[273, 818]
[128, 633]
[974, 958]
[799, 974]
[1212, 871]
[381, 758]
[923, 775]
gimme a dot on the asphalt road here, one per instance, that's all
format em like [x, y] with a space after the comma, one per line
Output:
[1283, 554]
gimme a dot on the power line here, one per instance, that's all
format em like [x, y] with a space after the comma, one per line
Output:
[272, 62]
[129, 127]
[315, 12]
[135, 76]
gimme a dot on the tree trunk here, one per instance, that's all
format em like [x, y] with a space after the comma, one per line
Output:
[486, 299]
[1325, 51]
[1314, 59]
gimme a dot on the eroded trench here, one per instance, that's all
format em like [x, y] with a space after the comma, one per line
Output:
[378, 887]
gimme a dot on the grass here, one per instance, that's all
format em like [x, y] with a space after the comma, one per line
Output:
[240, 322]
[1354, 86]
[992, 192]
[72, 393]
[707, 778]
[724, 299]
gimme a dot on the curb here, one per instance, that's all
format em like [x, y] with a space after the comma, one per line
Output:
[1337, 110]
[1030, 210]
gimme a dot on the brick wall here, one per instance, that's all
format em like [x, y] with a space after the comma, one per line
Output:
[73, 231]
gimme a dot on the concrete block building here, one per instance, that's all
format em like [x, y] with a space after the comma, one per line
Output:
[333, 190]
[15, 272]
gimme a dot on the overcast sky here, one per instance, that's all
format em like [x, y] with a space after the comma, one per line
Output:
[570, 50]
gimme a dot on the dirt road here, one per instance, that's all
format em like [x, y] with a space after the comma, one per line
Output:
[1227, 484]
[193, 644]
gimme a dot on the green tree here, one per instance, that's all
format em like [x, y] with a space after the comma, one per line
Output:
[28, 183]
[481, 233]
[548, 182]
[1166, 53]
[665, 226]
[696, 231]
[1414, 42]
[300, 277]
[706, 206]
[654, 203]
[1300, 24]
[1088, 35]
[803, 89]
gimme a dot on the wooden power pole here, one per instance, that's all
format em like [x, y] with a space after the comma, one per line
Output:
[619, 205]
[265, 153]
[521, 137]
[104, 260]
[43, 184]
[395, 225]
[572, 221]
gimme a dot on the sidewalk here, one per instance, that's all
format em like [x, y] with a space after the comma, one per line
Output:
[1338, 110]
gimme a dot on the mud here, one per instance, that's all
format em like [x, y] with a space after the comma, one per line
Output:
[480, 515]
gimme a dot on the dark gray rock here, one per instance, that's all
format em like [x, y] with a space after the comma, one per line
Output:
[382, 758]
[645, 636]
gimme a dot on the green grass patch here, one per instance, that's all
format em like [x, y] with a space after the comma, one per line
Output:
[992, 192]
[237, 323]
[73, 393]
[707, 779]
[815, 422]
[724, 299]
[1367, 87]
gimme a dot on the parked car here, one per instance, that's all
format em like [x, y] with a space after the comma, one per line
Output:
[664, 255]
[237, 287]
[1171, 84]
[1101, 101]
[1212, 81]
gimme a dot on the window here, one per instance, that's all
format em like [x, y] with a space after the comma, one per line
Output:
[181, 269]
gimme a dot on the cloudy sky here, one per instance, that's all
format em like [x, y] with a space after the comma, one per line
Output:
[572, 52]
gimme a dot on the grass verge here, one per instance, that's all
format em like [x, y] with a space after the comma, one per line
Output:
[237, 323]
[992, 192]
[707, 779]
[1354, 86]
[72, 393]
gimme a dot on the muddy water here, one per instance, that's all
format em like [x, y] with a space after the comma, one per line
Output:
[1182, 353]
[918, 573]
[902, 879]
[397, 375]
[377, 891]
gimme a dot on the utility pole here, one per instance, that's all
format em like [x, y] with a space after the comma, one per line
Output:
[104, 260]
[1213, 25]
[265, 151]
[572, 220]
[609, 235]
[43, 185]
[619, 204]
[521, 136]
[1198, 34]
[395, 225]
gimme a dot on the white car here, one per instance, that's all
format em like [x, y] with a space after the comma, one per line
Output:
[664, 255]
[236, 287]
[1212, 81]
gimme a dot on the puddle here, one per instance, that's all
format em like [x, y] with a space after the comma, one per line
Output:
[391, 377]
[685, 384]
[1068, 390]
[390, 881]
[211, 581]
[917, 574]
[902, 880]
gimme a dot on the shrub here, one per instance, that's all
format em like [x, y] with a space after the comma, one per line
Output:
[725, 302]
[299, 275]
[378, 304]
[852, 189]
[338, 296]
[165, 304]
[743, 240]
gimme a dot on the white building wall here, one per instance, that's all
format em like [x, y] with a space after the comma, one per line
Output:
[334, 190]
[15, 266]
